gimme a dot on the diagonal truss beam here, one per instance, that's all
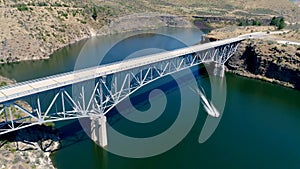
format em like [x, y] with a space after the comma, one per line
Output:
[107, 91]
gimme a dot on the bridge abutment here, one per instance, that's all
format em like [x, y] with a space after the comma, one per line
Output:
[99, 131]
[219, 70]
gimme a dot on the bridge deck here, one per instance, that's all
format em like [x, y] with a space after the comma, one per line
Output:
[22, 89]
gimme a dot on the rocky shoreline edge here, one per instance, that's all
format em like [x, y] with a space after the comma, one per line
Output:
[29, 148]
[254, 62]
[130, 23]
[250, 61]
[20, 151]
[263, 59]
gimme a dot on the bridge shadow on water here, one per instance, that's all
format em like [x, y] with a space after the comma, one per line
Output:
[31, 135]
[71, 133]
[75, 131]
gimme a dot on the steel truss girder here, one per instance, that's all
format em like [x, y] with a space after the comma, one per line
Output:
[107, 91]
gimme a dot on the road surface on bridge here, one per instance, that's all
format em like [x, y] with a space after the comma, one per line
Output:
[11, 92]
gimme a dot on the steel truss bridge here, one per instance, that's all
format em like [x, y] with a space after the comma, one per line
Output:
[109, 85]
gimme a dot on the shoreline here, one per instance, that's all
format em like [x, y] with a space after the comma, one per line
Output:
[254, 61]
[231, 67]
[131, 23]
[263, 59]
[263, 79]
[29, 148]
[31, 155]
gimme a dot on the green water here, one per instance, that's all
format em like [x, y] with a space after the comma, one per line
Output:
[260, 127]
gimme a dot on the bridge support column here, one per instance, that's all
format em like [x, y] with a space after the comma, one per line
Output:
[219, 70]
[98, 131]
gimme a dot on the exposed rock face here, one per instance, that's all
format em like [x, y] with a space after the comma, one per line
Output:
[267, 61]
[37, 30]
[29, 148]
[143, 21]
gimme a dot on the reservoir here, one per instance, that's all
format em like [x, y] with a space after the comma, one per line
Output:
[259, 126]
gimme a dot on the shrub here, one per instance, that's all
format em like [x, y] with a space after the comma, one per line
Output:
[57, 4]
[22, 7]
[3, 84]
[278, 22]
[256, 23]
[65, 15]
[74, 13]
[243, 23]
[31, 4]
[94, 15]
[270, 42]
[61, 30]
[42, 4]
[281, 23]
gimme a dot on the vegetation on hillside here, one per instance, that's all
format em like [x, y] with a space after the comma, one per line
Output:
[47, 25]
[278, 22]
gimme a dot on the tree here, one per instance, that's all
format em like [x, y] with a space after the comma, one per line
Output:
[278, 22]
[281, 24]
[274, 21]
[243, 23]
[256, 23]
[94, 15]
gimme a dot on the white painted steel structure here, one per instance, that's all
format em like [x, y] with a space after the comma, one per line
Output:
[111, 84]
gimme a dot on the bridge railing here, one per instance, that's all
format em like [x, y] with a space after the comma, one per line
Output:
[106, 95]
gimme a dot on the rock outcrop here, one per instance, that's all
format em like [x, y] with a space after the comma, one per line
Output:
[29, 148]
[266, 59]
[143, 21]
[269, 61]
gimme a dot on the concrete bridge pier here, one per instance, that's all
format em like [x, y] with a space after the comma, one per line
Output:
[98, 131]
[219, 70]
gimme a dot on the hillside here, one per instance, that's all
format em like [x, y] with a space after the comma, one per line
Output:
[265, 59]
[33, 29]
[268, 61]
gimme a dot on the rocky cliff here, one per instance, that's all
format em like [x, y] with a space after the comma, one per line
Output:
[29, 148]
[269, 61]
[266, 59]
